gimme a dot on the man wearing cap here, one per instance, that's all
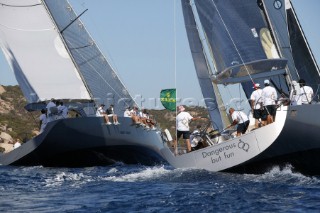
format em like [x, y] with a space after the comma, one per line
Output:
[182, 120]
[269, 97]
[256, 104]
[101, 113]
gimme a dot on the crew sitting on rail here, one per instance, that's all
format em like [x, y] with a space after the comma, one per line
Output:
[146, 120]
[111, 114]
[127, 113]
[134, 115]
[101, 113]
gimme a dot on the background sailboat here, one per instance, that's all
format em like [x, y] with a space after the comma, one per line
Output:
[53, 56]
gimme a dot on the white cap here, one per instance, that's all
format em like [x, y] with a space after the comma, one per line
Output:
[256, 85]
[266, 81]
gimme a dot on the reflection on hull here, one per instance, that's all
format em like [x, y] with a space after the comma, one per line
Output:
[84, 142]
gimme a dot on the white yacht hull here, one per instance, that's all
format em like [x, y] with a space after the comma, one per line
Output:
[293, 139]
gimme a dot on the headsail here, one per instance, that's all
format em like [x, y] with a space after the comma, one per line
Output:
[36, 53]
[50, 64]
[304, 60]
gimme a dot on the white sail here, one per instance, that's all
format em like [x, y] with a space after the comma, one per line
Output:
[36, 53]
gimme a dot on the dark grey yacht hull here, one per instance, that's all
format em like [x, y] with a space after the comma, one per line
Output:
[81, 142]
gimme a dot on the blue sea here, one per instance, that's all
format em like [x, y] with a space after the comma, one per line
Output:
[137, 188]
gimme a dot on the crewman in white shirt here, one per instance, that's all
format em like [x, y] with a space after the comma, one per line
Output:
[240, 118]
[256, 104]
[306, 92]
[269, 97]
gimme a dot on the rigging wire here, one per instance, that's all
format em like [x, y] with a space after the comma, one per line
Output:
[175, 57]
[125, 92]
[97, 72]
[233, 42]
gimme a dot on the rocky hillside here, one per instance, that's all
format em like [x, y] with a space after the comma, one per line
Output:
[167, 119]
[15, 122]
[18, 124]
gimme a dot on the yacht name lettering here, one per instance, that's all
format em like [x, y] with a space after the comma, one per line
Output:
[226, 155]
[243, 145]
[219, 150]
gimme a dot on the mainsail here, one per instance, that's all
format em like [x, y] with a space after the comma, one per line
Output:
[53, 56]
[201, 65]
[241, 42]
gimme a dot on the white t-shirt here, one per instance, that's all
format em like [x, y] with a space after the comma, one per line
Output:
[133, 112]
[43, 119]
[295, 94]
[256, 98]
[100, 112]
[143, 115]
[127, 113]
[183, 119]
[239, 116]
[269, 96]
[49, 105]
[306, 94]
[63, 110]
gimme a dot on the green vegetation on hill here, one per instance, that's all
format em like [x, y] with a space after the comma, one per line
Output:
[167, 119]
[14, 116]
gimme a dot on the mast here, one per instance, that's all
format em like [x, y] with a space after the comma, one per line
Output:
[201, 65]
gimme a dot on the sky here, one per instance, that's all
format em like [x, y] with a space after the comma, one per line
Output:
[145, 42]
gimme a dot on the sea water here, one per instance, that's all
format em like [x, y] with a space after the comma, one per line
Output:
[136, 188]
